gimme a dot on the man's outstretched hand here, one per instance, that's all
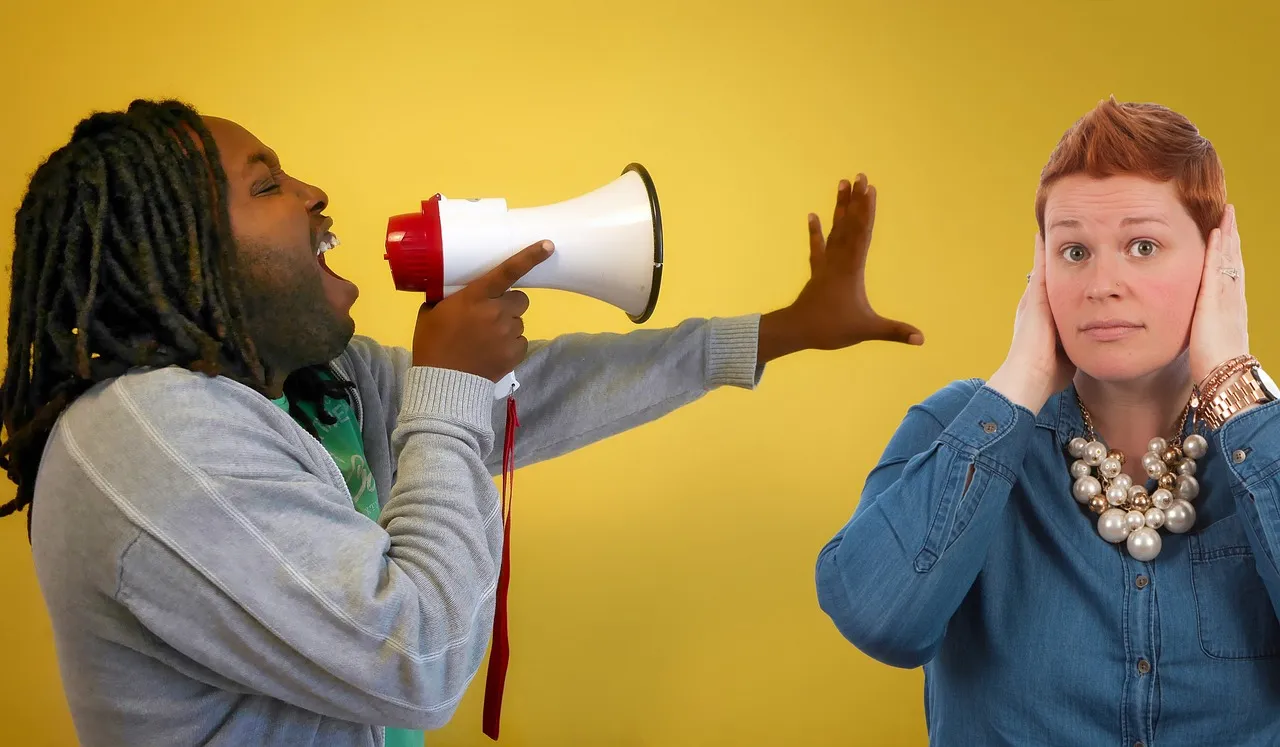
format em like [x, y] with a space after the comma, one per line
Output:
[832, 310]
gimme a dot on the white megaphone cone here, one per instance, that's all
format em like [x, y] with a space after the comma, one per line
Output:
[608, 246]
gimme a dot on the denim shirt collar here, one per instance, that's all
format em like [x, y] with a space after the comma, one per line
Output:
[1061, 414]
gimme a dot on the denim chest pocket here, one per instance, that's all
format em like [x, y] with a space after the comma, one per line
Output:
[1234, 615]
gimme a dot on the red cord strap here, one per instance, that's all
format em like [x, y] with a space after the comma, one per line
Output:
[500, 652]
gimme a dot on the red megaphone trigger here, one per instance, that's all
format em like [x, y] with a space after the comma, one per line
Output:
[415, 251]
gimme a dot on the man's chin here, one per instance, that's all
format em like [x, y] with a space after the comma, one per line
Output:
[335, 341]
[342, 338]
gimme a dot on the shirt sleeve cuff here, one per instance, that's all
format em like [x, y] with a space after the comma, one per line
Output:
[733, 352]
[451, 395]
[1250, 442]
[991, 427]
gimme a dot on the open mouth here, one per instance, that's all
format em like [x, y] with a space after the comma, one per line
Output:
[341, 293]
[326, 242]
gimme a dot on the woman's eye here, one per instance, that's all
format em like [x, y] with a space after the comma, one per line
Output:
[1075, 253]
[1144, 248]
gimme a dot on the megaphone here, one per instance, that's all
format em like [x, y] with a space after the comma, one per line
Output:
[608, 245]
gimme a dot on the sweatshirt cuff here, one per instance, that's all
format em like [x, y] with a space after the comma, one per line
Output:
[452, 395]
[733, 352]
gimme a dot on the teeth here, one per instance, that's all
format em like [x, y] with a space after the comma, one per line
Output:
[327, 241]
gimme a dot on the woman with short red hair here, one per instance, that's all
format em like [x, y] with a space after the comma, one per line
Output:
[1082, 548]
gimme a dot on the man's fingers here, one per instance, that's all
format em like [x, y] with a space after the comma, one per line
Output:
[871, 207]
[498, 280]
[817, 243]
[843, 192]
[868, 210]
[859, 187]
[893, 330]
[514, 303]
[519, 348]
[854, 222]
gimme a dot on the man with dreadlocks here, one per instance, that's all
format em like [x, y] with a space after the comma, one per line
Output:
[249, 524]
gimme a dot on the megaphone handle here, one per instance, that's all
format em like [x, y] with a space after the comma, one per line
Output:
[506, 386]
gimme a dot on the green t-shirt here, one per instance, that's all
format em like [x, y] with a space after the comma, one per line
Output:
[345, 444]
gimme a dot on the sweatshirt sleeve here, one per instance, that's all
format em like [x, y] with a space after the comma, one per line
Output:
[894, 575]
[250, 562]
[579, 389]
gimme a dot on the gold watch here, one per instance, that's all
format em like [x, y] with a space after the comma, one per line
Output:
[1253, 387]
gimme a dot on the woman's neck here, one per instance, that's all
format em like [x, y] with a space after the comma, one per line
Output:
[1127, 415]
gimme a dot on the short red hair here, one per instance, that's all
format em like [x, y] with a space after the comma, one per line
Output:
[1146, 140]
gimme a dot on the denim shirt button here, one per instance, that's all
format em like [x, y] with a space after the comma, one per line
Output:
[1143, 666]
[1238, 456]
[989, 427]
[1142, 582]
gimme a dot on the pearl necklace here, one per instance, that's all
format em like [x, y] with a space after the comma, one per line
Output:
[1126, 512]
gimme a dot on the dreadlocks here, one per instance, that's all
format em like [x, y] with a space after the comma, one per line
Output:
[123, 258]
[308, 385]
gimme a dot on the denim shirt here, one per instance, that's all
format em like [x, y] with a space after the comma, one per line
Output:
[968, 555]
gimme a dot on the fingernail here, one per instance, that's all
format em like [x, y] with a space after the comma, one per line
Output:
[548, 247]
[916, 339]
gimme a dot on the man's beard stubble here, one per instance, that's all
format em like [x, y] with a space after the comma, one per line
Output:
[288, 315]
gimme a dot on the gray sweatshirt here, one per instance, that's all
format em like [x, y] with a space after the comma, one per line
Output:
[210, 583]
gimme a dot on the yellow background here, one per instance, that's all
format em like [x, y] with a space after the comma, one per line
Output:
[663, 586]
